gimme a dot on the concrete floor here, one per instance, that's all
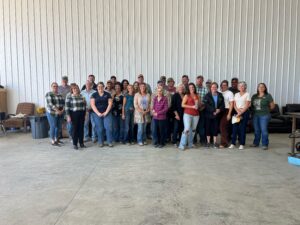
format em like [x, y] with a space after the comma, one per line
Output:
[133, 185]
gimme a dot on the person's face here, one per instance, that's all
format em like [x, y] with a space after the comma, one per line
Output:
[113, 80]
[141, 79]
[160, 85]
[224, 86]
[241, 87]
[159, 92]
[136, 86]
[88, 85]
[185, 80]
[208, 85]
[108, 85]
[261, 88]
[76, 90]
[118, 88]
[234, 84]
[199, 81]
[143, 88]
[91, 79]
[125, 84]
[192, 89]
[130, 89]
[214, 88]
[171, 83]
[180, 89]
[54, 87]
[100, 87]
[64, 82]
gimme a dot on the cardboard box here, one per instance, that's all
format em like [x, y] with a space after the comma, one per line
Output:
[3, 100]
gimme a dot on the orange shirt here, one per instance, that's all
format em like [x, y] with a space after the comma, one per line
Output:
[191, 102]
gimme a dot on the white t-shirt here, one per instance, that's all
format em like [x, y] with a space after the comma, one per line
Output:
[240, 101]
[228, 97]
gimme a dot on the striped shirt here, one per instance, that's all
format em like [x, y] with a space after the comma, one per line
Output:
[53, 102]
[74, 104]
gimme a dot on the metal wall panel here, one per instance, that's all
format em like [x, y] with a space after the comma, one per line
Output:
[256, 40]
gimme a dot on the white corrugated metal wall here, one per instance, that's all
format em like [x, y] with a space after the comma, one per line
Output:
[256, 40]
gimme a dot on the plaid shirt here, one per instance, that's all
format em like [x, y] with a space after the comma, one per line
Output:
[53, 102]
[74, 104]
[202, 91]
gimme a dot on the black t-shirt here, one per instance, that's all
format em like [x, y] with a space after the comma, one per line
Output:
[117, 105]
[101, 102]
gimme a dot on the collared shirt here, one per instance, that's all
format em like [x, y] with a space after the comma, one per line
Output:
[64, 90]
[87, 95]
[53, 102]
[75, 103]
[201, 91]
[160, 107]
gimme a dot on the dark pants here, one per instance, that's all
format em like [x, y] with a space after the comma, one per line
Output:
[158, 131]
[177, 130]
[224, 127]
[212, 126]
[77, 119]
[201, 128]
[128, 127]
[240, 129]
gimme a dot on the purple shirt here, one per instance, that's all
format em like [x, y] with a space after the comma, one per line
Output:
[160, 107]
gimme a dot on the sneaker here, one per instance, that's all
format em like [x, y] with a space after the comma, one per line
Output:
[100, 145]
[216, 145]
[141, 144]
[175, 145]
[231, 146]
[156, 145]
[75, 147]
[82, 146]
[110, 145]
[145, 143]
[95, 141]
[181, 148]
[241, 147]
[160, 146]
[60, 142]
[55, 144]
[192, 146]
[264, 147]
[206, 145]
[253, 146]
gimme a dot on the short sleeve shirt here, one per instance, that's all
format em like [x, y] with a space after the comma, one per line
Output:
[101, 102]
[228, 97]
[261, 105]
[240, 101]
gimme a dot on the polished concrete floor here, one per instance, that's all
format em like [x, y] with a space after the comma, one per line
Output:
[41, 185]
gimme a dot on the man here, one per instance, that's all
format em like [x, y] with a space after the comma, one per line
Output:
[91, 78]
[208, 84]
[113, 80]
[64, 88]
[109, 89]
[141, 80]
[234, 85]
[185, 81]
[164, 80]
[202, 91]
[87, 93]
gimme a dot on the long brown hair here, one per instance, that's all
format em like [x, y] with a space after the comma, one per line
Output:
[266, 89]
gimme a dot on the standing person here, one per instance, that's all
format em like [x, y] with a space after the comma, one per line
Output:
[91, 78]
[190, 103]
[226, 115]
[171, 86]
[113, 80]
[185, 81]
[242, 102]
[54, 111]
[136, 88]
[159, 109]
[214, 106]
[64, 88]
[87, 93]
[101, 103]
[201, 91]
[75, 110]
[164, 81]
[176, 107]
[262, 103]
[142, 113]
[208, 84]
[141, 81]
[234, 85]
[117, 122]
[128, 116]
[109, 88]
[124, 85]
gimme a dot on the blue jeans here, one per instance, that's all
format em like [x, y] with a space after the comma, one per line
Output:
[158, 131]
[89, 118]
[118, 128]
[141, 134]
[260, 124]
[102, 123]
[128, 126]
[55, 123]
[240, 129]
[190, 124]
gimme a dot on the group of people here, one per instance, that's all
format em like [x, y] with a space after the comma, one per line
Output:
[127, 113]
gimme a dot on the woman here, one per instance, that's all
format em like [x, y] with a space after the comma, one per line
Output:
[101, 103]
[262, 103]
[226, 115]
[75, 111]
[242, 102]
[110, 88]
[118, 123]
[159, 109]
[128, 116]
[55, 110]
[214, 106]
[142, 113]
[136, 87]
[124, 85]
[190, 103]
[176, 108]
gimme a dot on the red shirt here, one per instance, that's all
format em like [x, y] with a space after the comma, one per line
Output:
[191, 102]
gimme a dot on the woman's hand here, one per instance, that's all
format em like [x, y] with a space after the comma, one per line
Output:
[228, 117]
[177, 117]
[69, 119]
[123, 117]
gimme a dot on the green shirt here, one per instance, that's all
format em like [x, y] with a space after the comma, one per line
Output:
[261, 105]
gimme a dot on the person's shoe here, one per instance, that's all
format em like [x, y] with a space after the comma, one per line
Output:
[141, 144]
[95, 141]
[222, 146]
[110, 145]
[192, 146]
[156, 145]
[216, 145]
[55, 144]
[175, 145]
[206, 145]
[181, 148]
[82, 146]
[101, 145]
[160, 146]
[264, 147]
[232, 146]
[241, 147]
[253, 146]
[75, 147]
[145, 143]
